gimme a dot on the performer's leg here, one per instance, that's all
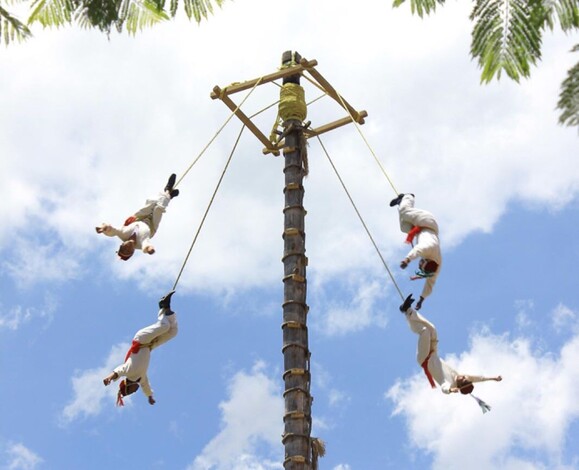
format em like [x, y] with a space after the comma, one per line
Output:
[426, 332]
[412, 217]
[159, 208]
[149, 333]
[169, 334]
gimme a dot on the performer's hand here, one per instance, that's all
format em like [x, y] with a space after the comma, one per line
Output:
[109, 378]
[151, 400]
[419, 303]
[404, 263]
[498, 378]
[149, 250]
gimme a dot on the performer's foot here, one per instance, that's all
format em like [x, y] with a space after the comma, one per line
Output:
[174, 193]
[171, 183]
[165, 301]
[396, 200]
[407, 304]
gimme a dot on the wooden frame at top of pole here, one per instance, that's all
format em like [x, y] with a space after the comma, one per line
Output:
[316, 78]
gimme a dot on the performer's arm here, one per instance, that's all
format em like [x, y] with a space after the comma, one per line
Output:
[480, 378]
[110, 378]
[146, 387]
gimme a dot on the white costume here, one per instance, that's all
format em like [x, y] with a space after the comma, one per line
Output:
[146, 224]
[427, 354]
[136, 365]
[426, 242]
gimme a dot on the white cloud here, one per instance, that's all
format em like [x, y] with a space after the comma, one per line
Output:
[338, 397]
[89, 393]
[524, 309]
[250, 417]
[33, 261]
[19, 315]
[563, 317]
[96, 156]
[532, 408]
[339, 319]
[19, 457]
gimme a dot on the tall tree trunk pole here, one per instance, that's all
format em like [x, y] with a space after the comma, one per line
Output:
[296, 376]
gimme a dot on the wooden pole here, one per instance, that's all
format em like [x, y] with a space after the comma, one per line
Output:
[297, 417]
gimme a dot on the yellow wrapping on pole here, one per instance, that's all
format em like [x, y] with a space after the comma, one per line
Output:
[292, 104]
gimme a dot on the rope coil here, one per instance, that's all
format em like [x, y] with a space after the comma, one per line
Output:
[292, 104]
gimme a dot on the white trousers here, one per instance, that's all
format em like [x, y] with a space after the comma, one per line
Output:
[427, 335]
[163, 330]
[411, 217]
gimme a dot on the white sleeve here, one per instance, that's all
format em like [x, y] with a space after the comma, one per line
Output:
[428, 285]
[145, 386]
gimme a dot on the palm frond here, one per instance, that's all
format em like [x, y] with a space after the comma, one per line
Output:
[133, 15]
[51, 12]
[569, 96]
[566, 11]
[505, 38]
[137, 15]
[200, 9]
[101, 14]
[420, 7]
[11, 28]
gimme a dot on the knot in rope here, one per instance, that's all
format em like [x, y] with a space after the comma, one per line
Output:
[292, 104]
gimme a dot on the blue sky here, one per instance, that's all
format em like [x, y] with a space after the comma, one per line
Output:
[92, 126]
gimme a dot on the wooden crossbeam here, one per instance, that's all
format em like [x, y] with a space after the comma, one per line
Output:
[321, 130]
[335, 124]
[236, 87]
[305, 67]
[248, 122]
[330, 90]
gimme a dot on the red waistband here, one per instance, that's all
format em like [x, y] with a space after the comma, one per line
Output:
[427, 372]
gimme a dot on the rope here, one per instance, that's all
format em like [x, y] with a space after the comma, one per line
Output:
[368, 144]
[361, 219]
[219, 131]
[208, 207]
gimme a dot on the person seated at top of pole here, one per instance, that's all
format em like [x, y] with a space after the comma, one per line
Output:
[422, 233]
[435, 369]
[138, 229]
[136, 364]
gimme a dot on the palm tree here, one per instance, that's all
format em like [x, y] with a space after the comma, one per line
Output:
[11, 28]
[507, 36]
[132, 15]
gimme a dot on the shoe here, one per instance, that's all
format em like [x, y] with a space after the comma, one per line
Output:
[173, 193]
[407, 304]
[171, 183]
[165, 301]
[396, 200]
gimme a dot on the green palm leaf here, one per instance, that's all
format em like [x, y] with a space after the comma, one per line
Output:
[51, 12]
[138, 15]
[566, 11]
[420, 7]
[11, 28]
[505, 38]
[198, 9]
[569, 96]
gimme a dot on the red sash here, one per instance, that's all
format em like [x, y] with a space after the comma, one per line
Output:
[412, 233]
[427, 372]
[135, 347]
